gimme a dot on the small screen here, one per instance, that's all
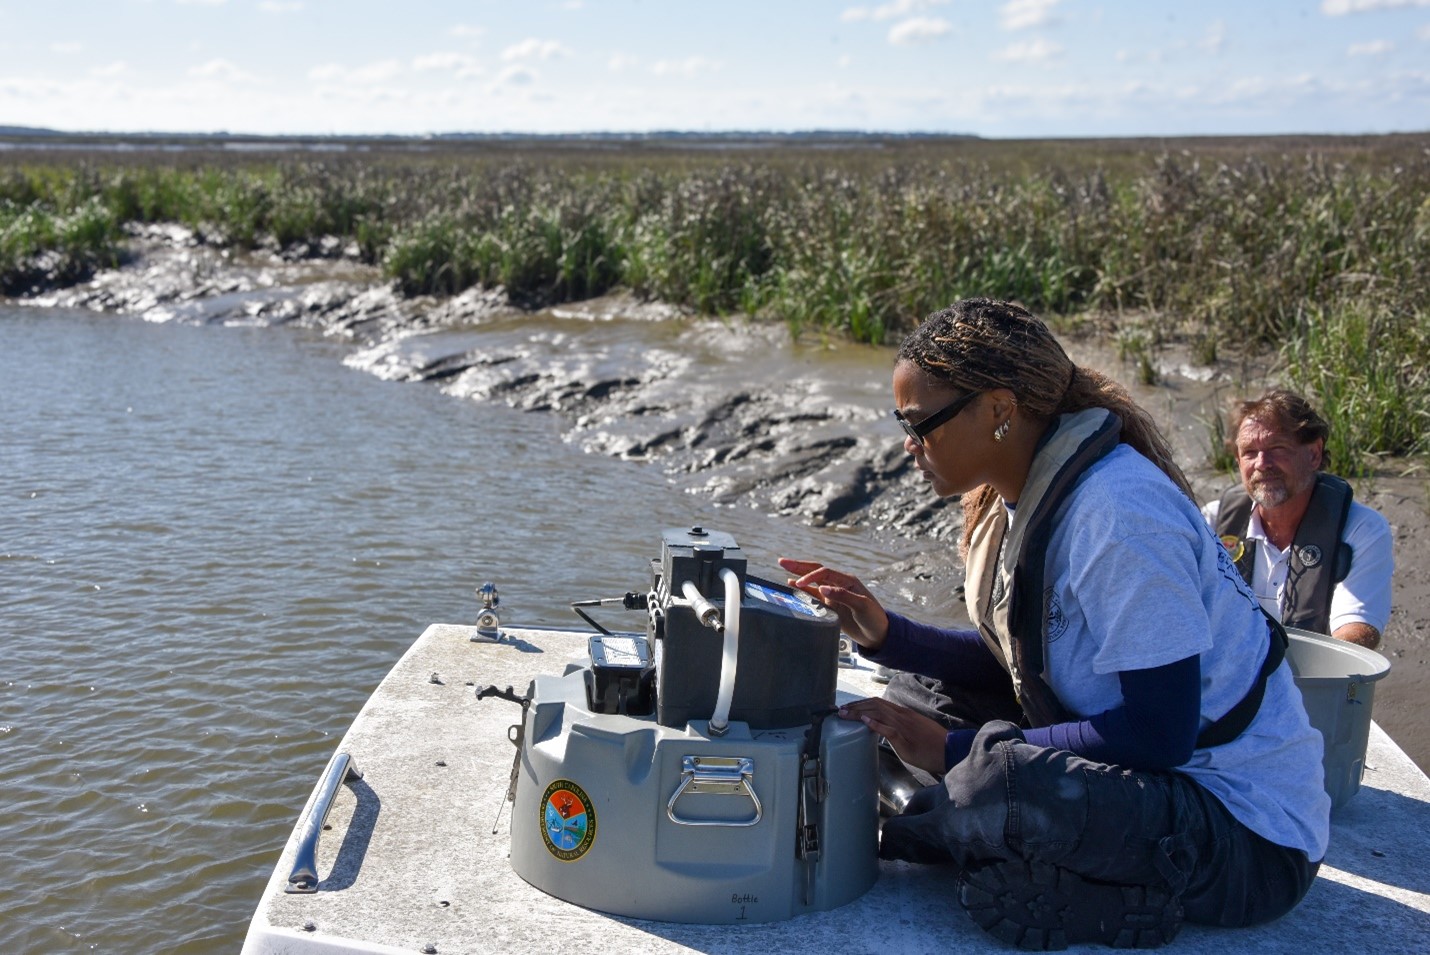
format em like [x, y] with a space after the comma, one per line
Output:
[791, 600]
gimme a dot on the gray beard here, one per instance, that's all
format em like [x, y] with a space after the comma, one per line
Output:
[1277, 492]
[1269, 496]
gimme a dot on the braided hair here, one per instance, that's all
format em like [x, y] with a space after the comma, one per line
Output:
[979, 345]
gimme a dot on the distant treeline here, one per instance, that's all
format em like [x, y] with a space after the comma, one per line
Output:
[1318, 247]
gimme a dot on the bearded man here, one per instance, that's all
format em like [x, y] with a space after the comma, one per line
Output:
[1316, 558]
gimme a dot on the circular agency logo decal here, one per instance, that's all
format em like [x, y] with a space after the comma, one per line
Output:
[568, 820]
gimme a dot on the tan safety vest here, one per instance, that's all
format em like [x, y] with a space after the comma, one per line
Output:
[1004, 580]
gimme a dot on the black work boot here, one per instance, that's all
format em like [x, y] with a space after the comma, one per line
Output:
[1041, 907]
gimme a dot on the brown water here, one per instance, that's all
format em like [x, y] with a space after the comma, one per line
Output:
[215, 542]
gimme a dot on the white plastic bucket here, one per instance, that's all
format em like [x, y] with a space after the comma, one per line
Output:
[1337, 681]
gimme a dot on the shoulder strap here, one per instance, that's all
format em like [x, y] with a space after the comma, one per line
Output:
[1232, 517]
[1029, 607]
[1319, 558]
[1235, 720]
[1344, 552]
[1233, 512]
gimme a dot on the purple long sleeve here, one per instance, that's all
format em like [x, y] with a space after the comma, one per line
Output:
[957, 657]
[1155, 728]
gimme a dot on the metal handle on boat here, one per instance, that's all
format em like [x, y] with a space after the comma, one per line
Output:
[304, 876]
[720, 776]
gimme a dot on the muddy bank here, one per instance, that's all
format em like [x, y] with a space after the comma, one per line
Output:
[726, 409]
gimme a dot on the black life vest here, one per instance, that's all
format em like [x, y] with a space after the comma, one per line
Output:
[1319, 558]
[1028, 612]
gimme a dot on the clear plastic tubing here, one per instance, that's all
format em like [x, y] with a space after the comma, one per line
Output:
[720, 722]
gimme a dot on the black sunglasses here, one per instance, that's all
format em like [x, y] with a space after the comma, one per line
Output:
[921, 429]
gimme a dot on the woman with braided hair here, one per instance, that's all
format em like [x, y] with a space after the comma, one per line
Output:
[1118, 744]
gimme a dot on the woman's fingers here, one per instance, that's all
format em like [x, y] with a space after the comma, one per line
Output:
[813, 574]
[916, 738]
[860, 614]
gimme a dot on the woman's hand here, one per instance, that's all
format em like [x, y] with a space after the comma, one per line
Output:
[918, 740]
[860, 615]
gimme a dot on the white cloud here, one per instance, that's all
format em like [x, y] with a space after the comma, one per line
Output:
[362, 75]
[112, 69]
[918, 30]
[1339, 8]
[517, 76]
[1214, 40]
[620, 62]
[466, 31]
[280, 6]
[222, 70]
[201, 3]
[18, 89]
[690, 66]
[1022, 14]
[532, 48]
[1030, 51]
[1058, 96]
[889, 11]
[363, 99]
[1372, 48]
[67, 49]
[461, 65]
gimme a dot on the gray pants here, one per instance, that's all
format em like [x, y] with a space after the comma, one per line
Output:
[1011, 800]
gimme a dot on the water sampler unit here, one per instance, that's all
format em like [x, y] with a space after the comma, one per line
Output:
[695, 773]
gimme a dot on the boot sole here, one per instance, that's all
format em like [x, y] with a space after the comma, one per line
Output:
[1043, 908]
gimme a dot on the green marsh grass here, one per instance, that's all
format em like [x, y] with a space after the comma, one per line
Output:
[1366, 364]
[1316, 247]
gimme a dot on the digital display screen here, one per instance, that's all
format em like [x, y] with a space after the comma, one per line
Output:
[791, 600]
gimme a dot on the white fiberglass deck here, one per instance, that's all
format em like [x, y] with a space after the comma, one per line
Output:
[411, 863]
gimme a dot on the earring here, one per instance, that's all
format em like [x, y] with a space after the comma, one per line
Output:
[1000, 432]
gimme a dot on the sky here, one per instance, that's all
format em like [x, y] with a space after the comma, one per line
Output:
[995, 68]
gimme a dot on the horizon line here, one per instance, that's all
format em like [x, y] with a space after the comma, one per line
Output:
[39, 132]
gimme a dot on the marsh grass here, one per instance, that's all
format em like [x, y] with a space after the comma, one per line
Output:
[1221, 457]
[40, 246]
[1366, 364]
[1314, 246]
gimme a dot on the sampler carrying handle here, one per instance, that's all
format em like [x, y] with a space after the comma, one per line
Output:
[721, 776]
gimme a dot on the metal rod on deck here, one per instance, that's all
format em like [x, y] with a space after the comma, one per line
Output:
[304, 876]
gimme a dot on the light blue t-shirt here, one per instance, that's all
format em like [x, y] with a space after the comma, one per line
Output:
[1138, 580]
